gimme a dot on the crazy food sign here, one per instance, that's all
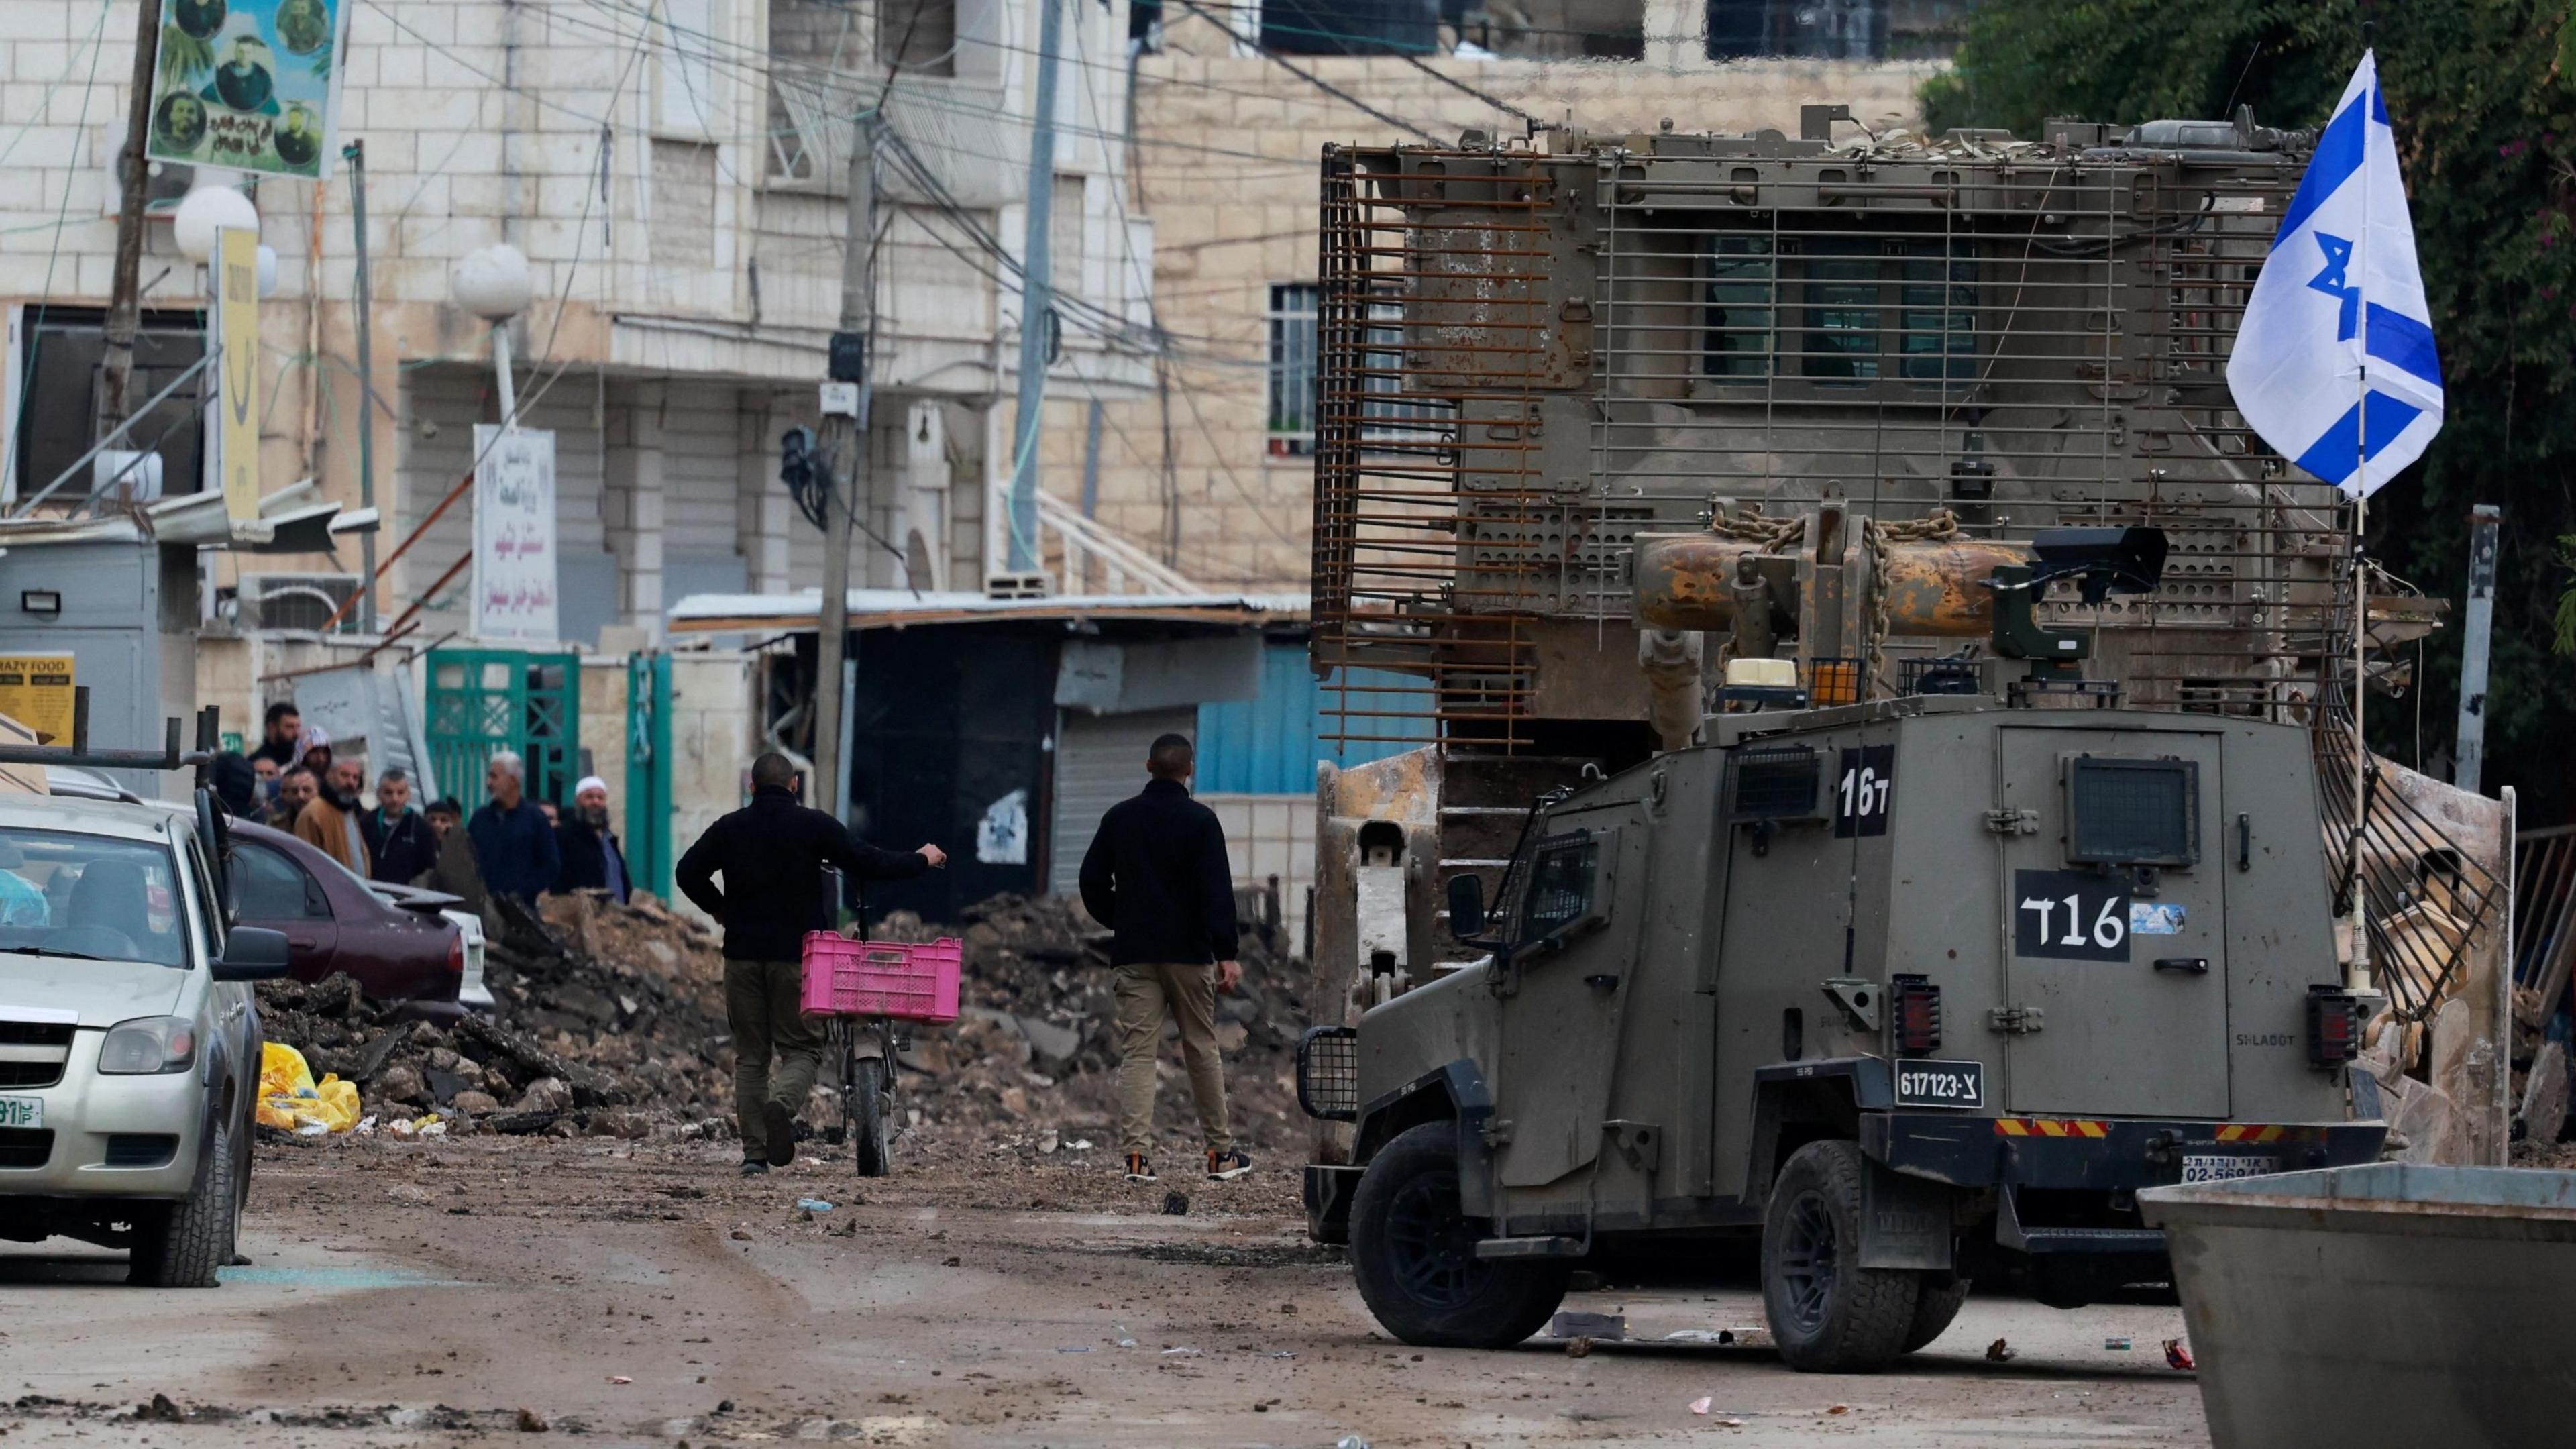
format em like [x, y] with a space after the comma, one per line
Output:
[250, 85]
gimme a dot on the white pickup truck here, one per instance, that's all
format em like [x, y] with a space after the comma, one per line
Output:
[129, 1042]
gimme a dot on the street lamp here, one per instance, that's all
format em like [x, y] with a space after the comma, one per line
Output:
[495, 284]
[206, 211]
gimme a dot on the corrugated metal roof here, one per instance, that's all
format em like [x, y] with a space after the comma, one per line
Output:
[895, 608]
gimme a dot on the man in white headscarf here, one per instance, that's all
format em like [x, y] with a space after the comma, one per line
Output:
[591, 857]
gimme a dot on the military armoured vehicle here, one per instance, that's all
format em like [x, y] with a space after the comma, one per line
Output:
[1936, 703]
[1922, 989]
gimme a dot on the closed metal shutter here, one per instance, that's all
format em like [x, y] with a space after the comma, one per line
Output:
[1099, 761]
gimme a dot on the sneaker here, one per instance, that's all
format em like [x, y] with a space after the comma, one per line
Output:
[1227, 1166]
[754, 1167]
[778, 1129]
[1138, 1169]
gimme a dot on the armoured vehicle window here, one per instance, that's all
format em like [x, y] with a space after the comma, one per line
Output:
[1842, 295]
[1774, 782]
[1740, 282]
[2133, 812]
[1560, 887]
[1841, 313]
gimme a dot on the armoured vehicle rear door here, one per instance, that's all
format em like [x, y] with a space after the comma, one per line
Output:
[1568, 980]
[2115, 952]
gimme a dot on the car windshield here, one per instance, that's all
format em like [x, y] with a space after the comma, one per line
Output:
[96, 896]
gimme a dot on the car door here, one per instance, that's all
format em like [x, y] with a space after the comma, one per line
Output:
[271, 889]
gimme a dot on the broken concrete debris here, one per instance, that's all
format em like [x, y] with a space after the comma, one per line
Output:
[608, 1020]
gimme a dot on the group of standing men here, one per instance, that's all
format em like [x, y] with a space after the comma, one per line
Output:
[512, 845]
[1157, 875]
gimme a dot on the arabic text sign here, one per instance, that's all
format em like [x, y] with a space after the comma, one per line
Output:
[36, 691]
[250, 85]
[514, 533]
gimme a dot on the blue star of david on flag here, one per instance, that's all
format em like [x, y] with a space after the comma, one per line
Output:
[2334, 364]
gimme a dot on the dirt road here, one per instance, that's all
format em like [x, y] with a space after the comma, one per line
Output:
[428, 1293]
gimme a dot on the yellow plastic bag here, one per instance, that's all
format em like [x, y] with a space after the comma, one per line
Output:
[290, 1100]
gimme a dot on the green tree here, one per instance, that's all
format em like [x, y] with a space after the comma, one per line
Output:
[2483, 97]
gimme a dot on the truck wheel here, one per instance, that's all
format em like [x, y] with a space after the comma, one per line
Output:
[1936, 1303]
[181, 1244]
[1828, 1314]
[1414, 1253]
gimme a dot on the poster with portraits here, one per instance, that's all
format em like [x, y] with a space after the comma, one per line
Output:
[249, 85]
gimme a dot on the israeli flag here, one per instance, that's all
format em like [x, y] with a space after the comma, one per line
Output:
[2334, 365]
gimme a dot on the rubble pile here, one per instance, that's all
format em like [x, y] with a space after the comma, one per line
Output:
[609, 1019]
[1035, 1053]
[605, 1018]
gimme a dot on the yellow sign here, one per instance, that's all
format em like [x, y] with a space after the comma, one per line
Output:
[36, 691]
[237, 394]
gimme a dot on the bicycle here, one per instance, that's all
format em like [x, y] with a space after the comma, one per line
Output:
[868, 1048]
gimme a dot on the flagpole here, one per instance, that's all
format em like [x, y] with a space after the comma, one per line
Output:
[2357, 975]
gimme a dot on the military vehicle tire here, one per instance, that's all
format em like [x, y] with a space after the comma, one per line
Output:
[1414, 1253]
[1828, 1314]
[1935, 1304]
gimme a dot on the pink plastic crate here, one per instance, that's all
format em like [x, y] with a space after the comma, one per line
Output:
[908, 980]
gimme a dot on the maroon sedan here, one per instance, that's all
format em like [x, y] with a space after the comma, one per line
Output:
[335, 922]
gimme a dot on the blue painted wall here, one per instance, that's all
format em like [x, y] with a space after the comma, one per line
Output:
[1269, 745]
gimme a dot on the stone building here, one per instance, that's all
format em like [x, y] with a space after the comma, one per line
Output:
[1211, 467]
[675, 172]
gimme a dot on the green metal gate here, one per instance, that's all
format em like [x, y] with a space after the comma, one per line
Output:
[648, 772]
[486, 700]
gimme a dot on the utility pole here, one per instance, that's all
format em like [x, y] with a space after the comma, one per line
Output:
[845, 449]
[125, 302]
[356, 155]
[1037, 295]
[2484, 522]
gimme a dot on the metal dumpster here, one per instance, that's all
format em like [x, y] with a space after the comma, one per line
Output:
[2387, 1304]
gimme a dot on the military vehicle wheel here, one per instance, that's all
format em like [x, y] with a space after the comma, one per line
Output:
[1935, 1304]
[1414, 1253]
[1829, 1314]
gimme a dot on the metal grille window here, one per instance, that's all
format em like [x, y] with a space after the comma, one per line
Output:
[1774, 782]
[1742, 286]
[1560, 885]
[1292, 368]
[1856, 311]
[2133, 812]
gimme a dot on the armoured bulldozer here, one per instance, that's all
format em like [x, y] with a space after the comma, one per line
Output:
[1895, 703]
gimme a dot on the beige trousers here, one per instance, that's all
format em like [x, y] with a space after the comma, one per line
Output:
[1145, 993]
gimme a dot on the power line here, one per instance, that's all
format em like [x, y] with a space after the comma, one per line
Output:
[1327, 87]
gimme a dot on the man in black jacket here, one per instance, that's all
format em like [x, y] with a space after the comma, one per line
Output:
[1157, 876]
[772, 853]
[400, 844]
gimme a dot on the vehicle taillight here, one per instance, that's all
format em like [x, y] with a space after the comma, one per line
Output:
[456, 953]
[1918, 1015]
[2334, 1026]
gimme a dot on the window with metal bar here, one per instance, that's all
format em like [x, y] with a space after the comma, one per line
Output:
[1855, 311]
[1741, 290]
[1391, 424]
[1292, 368]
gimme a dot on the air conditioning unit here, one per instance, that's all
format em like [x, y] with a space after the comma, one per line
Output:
[297, 601]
